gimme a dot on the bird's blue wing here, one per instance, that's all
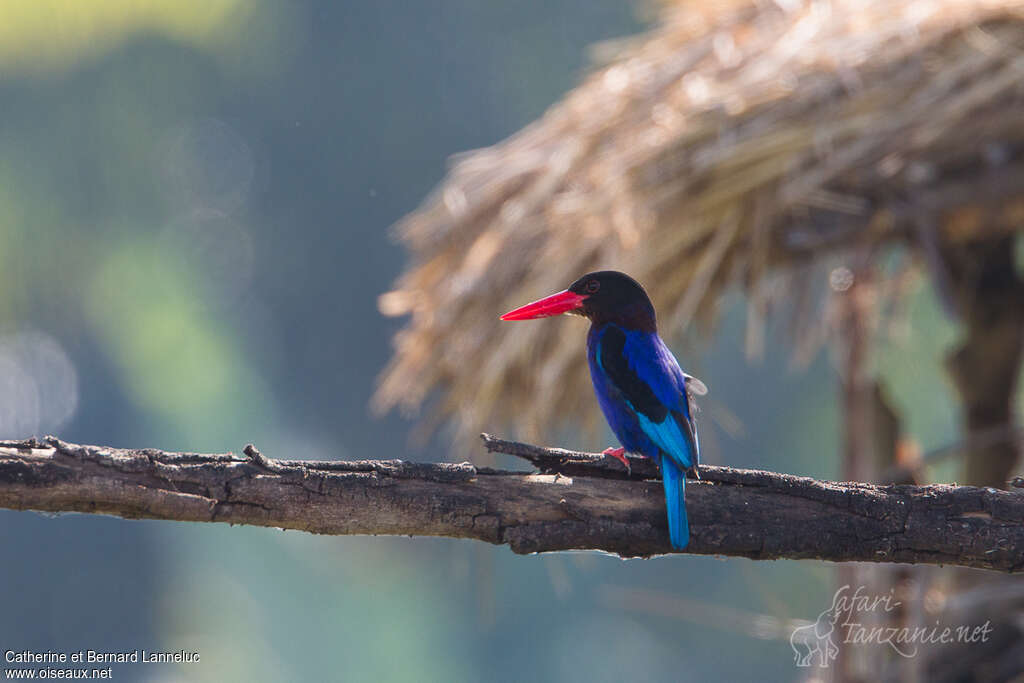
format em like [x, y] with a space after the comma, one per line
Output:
[648, 377]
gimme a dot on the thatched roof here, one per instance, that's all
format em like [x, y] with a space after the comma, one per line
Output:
[736, 140]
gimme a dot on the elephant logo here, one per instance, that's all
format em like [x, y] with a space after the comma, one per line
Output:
[817, 638]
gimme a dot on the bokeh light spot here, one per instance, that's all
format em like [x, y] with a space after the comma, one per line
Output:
[207, 165]
[38, 384]
[210, 246]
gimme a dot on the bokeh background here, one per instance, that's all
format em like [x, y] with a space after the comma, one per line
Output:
[195, 202]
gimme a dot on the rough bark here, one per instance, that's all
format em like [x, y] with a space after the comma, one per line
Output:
[577, 501]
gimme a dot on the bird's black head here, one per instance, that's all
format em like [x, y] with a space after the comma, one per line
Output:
[605, 296]
[614, 297]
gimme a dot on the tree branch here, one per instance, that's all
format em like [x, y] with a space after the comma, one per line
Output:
[578, 501]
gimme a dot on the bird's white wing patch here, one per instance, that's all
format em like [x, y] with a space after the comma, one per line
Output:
[695, 386]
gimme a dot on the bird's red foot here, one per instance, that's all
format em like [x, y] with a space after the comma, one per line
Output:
[620, 455]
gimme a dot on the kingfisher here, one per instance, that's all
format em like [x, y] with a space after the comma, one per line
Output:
[644, 394]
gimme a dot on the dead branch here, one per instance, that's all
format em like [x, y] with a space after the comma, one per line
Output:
[577, 501]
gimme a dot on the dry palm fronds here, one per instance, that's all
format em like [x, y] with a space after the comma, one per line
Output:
[735, 141]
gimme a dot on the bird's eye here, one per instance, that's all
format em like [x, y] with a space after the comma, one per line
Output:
[593, 286]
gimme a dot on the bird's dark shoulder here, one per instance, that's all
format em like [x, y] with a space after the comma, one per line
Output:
[611, 356]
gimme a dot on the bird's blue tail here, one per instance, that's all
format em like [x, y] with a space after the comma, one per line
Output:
[674, 480]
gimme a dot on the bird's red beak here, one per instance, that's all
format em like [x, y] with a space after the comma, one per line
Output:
[556, 304]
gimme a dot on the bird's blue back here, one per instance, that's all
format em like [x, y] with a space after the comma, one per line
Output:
[642, 393]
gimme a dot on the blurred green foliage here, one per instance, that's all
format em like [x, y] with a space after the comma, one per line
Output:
[46, 36]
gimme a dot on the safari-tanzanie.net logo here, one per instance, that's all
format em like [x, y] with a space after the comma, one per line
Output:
[851, 619]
